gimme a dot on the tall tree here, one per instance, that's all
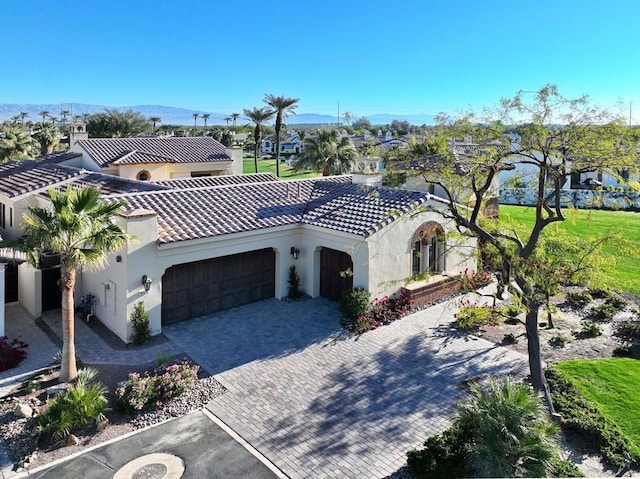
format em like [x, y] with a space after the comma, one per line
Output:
[328, 152]
[23, 115]
[43, 114]
[205, 117]
[348, 116]
[195, 119]
[227, 119]
[117, 124]
[154, 120]
[48, 136]
[281, 107]
[15, 143]
[559, 136]
[257, 116]
[234, 117]
[79, 226]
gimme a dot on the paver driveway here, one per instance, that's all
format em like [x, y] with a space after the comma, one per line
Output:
[318, 403]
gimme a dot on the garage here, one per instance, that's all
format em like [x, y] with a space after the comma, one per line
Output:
[204, 287]
[336, 273]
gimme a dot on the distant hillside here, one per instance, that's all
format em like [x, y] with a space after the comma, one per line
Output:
[182, 116]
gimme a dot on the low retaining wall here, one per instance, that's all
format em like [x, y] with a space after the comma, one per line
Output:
[422, 292]
[613, 200]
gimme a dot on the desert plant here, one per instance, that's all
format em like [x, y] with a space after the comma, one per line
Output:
[354, 304]
[590, 330]
[76, 407]
[600, 292]
[473, 280]
[513, 434]
[11, 353]
[471, 316]
[138, 391]
[295, 289]
[559, 341]
[511, 310]
[617, 302]
[604, 312]
[140, 322]
[509, 338]
[579, 299]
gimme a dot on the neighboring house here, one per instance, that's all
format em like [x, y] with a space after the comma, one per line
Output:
[153, 158]
[212, 243]
[290, 144]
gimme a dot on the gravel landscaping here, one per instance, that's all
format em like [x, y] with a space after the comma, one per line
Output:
[20, 436]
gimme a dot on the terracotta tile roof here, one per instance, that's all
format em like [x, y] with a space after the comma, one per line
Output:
[205, 181]
[105, 151]
[20, 177]
[59, 157]
[333, 203]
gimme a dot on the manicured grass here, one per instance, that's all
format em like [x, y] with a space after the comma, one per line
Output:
[625, 275]
[612, 385]
[269, 166]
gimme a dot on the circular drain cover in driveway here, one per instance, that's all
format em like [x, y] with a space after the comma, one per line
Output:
[152, 466]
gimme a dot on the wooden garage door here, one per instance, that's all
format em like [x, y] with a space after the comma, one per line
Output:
[195, 289]
[336, 273]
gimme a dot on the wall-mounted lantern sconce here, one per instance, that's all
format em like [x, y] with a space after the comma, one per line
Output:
[295, 252]
[146, 282]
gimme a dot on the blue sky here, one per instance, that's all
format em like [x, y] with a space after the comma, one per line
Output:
[371, 56]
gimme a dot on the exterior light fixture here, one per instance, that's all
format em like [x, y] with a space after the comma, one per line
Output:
[146, 282]
[295, 252]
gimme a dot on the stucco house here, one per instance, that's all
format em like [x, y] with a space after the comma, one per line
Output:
[151, 158]
[211, 243]
[290, 144]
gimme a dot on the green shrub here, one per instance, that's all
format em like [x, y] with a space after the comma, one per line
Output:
[629, 329]
[590, 330]
[617, 302]
[76, 407]
[604, 312]
[354, 304]
[511, 310]
[509, 339]
[295, 289]
[563, 468]
[471, 316]
[140, 322]
[559, 341]
[581, 416]
[444, 456]
[579, 299]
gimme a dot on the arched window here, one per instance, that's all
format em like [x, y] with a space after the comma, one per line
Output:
[428, 248]
[143, 175]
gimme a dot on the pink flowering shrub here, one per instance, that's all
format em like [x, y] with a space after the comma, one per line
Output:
[472, 316]
[11, 353]
[166, 381]
[383, 311]
[474, 280]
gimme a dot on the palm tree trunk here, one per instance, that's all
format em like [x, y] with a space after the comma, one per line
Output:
[68, 371]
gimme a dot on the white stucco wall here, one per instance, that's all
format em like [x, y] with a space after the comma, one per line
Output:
[235, 152]
[390, 252]
[30, 289]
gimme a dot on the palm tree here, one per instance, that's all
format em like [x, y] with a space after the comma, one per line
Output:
[234, 117]
[281, 107]
[258, 116]
[154, 120]
[43, 114]
[15, 143]
[227, 119]
[513, 434]
[23, 115]
[48, 136]
[195, 119]
[80, 227]
[328, 152]
[205, 117]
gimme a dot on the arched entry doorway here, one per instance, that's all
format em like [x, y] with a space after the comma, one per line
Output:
[336, 273]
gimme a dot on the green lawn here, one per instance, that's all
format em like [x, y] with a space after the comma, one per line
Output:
[269, 166]
[626, 273]
[613, 385]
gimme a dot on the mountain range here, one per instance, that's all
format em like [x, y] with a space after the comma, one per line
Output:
[183, 116]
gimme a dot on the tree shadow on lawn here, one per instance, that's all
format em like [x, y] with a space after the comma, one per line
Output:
[408, 394]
